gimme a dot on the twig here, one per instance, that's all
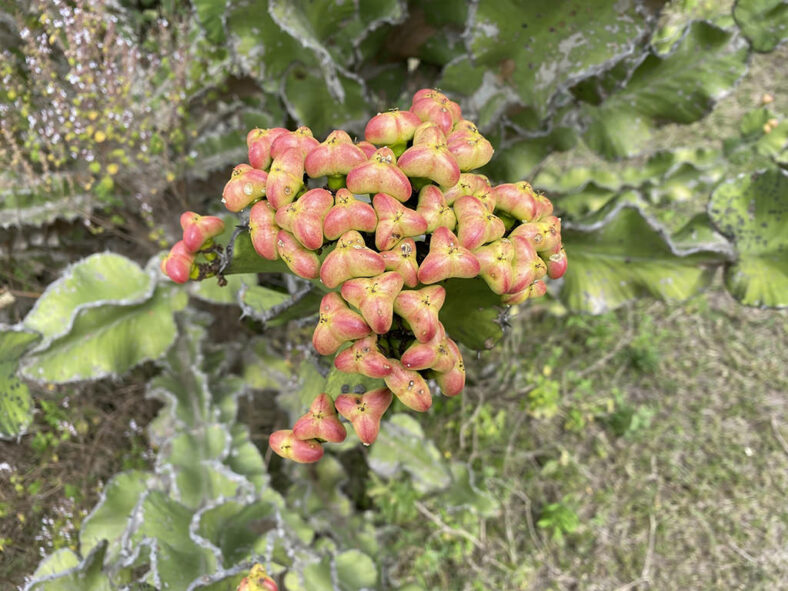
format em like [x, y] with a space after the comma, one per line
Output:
[446, 528]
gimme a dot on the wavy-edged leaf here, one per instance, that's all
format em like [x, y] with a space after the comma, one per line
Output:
[103, 278]
[540, 48]
[624, 255]
[763, 22]
[109, 340]
[339, 382]
[680, 87]
[16, 404]
[87, 575]
[48, 199]
[209, 290]
[348, 571]
[675, 16]
[753, 211]
[471, 313]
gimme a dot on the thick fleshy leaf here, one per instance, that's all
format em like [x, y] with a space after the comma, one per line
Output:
[39, 202]
[339, 382]
[548, 44]
[471, 313]
[86, 575]
[349, 571]
[209, 290]
[16, 404]
[763, 22]
[680, 87]
[109, 340]
[753, 211]
[104, 278]
[607, 268]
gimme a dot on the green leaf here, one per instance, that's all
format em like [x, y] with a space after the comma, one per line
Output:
[209, 290]
[471, 313]
[210, 15]
[311, 384]
[263, 303]
[104, 278]
[463, 493]
[401, 446]
[36, 203]
[608, 267]
[85, 576]
[680, 87]
[339, 382]
[349, 571]
[239, 530]
[16, 404]
[109, 340]
[675, 16]
[246, 260]
[753, 211]
[550, 44]
[763, 22]
[110, 517]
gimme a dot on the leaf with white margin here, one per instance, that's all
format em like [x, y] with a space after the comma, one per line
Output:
[349, 571]
[402, 446]
[103, 278]
[209, 290]
[109, 340]
[753, 211]
[245, 459]
[87, 575]
[42, 201]
[464, 494]
[763, 22]
[623, 255]
[16, 404]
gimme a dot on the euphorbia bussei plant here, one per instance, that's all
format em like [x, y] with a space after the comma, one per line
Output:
[380, 226]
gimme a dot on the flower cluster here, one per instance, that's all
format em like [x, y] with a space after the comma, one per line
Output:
[398, 214]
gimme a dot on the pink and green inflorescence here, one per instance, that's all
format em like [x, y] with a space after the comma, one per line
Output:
[395, 216]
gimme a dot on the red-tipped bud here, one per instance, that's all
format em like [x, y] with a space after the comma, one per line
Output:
[364, 411]
[320, 422]
[516, 199]
[475, 224]
[497, 265]
[392, 127]
[434, 209]
[452, 382]
[286, 178]
[544, 235]
[336, 325]
[556, 264]
[447, 258]
[335, 156]
[402, 259]
[409, 387]
[258, 580]
[301, 261]
[434, 106]
[368, 149]
[178, 265]
[430, 158]
[536, 290]
[351, 258]
[287, 445]
[304, 217]
[395, 222]
[544, 207]
[438, 354]
[380, 175]
[365, 358]
[470, 148]
[246, 185]
[420, 308]
[526, 264]
[374, 298]
[198, 229]
[259, 143]
[263, 230]
[475, 185]
[300, 139]
[347, 214]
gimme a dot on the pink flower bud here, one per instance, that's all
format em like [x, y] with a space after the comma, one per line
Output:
[285, 444]
[536, 290]
[409, 387]
[259, 143]
[434, 106]
[263, 230]
[199, 229]
[304, 217]
[374, 298]
[395, 222]
[524, 264]
[475, 224]
[368, 149]
[351, 258]
[335, 156]
[430, 158]
[178, 265]
[469, 147]
[301, 261]
[320, 422]
[556, 264]
[516, 199]
[286, 178]
[447, 258]
[258, 580]
[380, 175]
[420, 308]
[364, 412]
[452, 382]
[402, 259]
[336, 325]
[300, 139]
[246, 185]
[349, 213]
[434, 209]
[391, 127]
[475, 185]
[365, 358]
[544, 235]
[497, 265]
